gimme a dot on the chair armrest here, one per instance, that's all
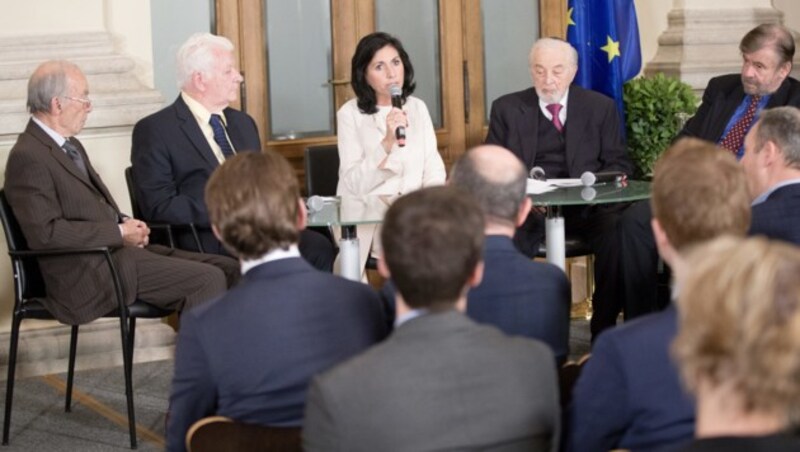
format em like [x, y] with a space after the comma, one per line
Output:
[167, 227]
[104, 250]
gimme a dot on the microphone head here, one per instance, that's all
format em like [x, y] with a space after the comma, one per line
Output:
[315, 203]
[588, 178]
[396, 91]
[537, 173]
[588, 193]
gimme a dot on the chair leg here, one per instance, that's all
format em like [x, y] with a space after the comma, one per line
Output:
[127, 364]
[73, 345]
[12, 365]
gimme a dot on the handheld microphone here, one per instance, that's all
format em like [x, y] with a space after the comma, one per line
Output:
[397, 101]
[589, 178]
[537, 173]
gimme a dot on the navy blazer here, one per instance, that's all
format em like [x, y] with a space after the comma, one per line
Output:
[779, 216]
[251, 354]
[522, 297]
[629, 395]
[172, 161]
[722, 97]
[594, 139]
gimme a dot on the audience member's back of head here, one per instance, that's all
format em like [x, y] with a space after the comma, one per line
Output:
[432, 242]
[253, 203]
[740, 325]
[699, 193]
[495, 178]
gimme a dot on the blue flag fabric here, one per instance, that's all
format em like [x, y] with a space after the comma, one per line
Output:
[606, 35]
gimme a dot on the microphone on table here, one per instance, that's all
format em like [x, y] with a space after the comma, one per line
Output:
[397, 101]
[537, 173]
[589, 178]
[315, 203]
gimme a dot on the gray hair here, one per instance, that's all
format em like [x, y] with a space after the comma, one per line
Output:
[556, 44]
[781, 125]
[499, 196]
[197, 55]
[49, 80]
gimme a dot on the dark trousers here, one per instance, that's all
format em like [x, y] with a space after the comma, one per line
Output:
[642, 286]
[597, 226]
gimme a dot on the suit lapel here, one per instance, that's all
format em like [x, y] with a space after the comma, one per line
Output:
[781, 96]
[97, 183]
[576, 123]
[192, 131]
[528, 126]
[59, 155]
[729, 107]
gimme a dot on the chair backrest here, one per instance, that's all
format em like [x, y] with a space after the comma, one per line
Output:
[220, 434]
[137, 213]
[28, 277]
[322, 170]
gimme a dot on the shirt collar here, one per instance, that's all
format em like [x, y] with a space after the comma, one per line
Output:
[200, 112]
[50, 132]
[412, 314]
[273, 255]
[763, 196]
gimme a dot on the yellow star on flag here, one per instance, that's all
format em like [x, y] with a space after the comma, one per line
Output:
[569, 17]
[611, 48]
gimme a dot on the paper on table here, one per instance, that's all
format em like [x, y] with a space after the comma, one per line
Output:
[565, 182]
[537, 187]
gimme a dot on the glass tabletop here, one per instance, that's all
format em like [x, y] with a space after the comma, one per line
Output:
[349, 211]
[632, 190]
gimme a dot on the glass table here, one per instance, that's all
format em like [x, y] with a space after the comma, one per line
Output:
[347, 213]
[573, 196]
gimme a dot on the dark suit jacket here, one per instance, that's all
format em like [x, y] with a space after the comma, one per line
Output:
[629, 395]
[172, 162]
[440, 382]
[522, 297]
[593, 133]
[779, 216]
[722, 97]
[57, 206]
[251, 354]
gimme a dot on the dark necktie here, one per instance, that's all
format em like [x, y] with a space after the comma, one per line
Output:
[554, 110]
[220, 136]
[735, 137]
[72, 153]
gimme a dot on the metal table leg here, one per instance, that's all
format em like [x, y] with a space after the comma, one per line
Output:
[350, 265]
[554, 237]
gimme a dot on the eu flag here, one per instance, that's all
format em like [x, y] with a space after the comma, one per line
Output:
[606, 35]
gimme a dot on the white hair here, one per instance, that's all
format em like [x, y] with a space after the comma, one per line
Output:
[555, 44]
[197, 55]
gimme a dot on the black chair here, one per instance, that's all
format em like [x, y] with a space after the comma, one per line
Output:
[29, 288]
[322, 170]
[167, 236]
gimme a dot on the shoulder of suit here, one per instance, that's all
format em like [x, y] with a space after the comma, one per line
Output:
[583, 95]
[725, 82]
[526, 96]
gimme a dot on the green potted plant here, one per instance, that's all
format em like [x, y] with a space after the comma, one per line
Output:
[655, 109]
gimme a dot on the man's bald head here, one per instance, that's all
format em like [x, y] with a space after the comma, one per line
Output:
[496, 178]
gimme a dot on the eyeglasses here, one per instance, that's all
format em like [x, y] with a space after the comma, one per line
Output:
[85, 101]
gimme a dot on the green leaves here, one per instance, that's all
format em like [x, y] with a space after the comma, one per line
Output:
[655, 110]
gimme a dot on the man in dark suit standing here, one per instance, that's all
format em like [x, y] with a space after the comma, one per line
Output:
[440, 381]
[731, 105]
[175, 150]
[567, 130]
[518, 295]
[772, 164]
[629, 394]
[251, 354]
[61, 202]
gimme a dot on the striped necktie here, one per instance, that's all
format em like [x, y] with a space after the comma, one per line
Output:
[220, 136]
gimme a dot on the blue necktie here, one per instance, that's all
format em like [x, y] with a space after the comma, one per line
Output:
[220, 136]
